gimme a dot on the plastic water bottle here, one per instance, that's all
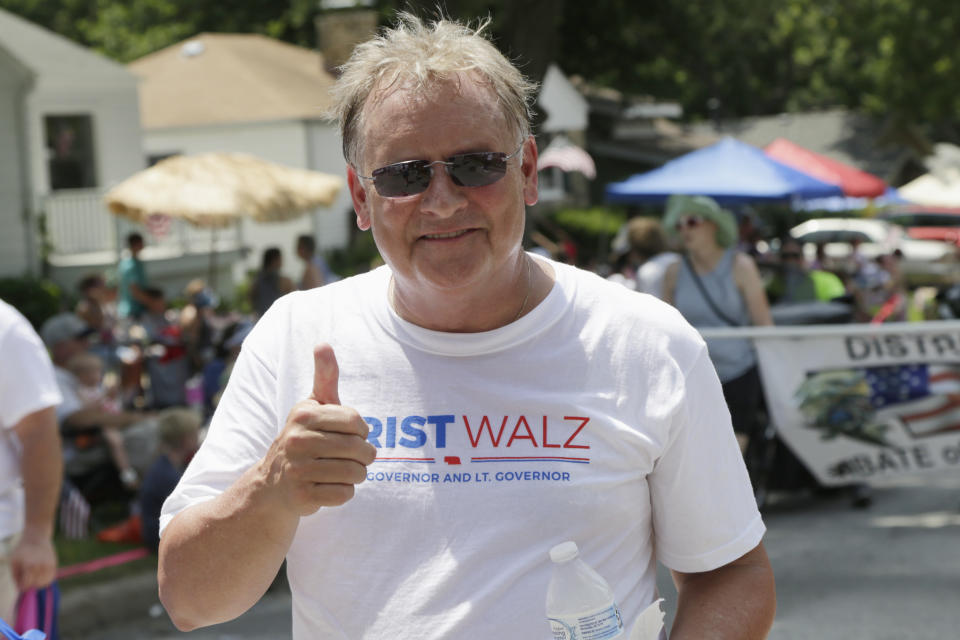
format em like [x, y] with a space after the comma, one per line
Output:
[580, 603]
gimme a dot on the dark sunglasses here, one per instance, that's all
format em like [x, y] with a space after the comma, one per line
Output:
[788, 255]
[412, 177]
[689, 222]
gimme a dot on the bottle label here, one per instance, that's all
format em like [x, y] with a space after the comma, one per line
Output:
[595, 625]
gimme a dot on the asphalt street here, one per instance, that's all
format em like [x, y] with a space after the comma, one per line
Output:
[888, 572]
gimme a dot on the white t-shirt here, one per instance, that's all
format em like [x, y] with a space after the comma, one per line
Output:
[597, 418]
[26, 386]
[650, 274]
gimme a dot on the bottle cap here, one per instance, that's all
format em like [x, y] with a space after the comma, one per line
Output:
[564, 552]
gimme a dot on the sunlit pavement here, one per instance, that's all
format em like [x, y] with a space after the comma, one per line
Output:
[888, 572]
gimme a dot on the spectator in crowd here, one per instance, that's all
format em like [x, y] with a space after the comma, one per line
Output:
[792, 281]
[887, 301]
[269, 283]
[30, 469]
[461, 321]
[87, 369]
[648, 248]
[66, 337]
[132, 279]
[316, 271]
[715, 285]
[196, 329]
[178, 432]
[312, 271]
[748, 235]
[217, 372]
[165, 352]
[821, 261]
[94, 307]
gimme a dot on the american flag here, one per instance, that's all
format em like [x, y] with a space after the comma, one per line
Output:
[926, 397]
[566, 156]
[74, 513]
[158, 225]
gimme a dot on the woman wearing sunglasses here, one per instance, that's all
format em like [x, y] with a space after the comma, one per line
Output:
[413, 440]
[714, 285]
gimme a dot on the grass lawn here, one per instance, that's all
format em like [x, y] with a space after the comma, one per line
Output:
[72, 552]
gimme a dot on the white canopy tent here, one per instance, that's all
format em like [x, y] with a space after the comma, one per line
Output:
[935, 189]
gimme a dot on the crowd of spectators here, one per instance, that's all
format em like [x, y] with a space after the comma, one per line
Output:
[139, 377]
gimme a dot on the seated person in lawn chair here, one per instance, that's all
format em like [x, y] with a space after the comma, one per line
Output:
[86, 453]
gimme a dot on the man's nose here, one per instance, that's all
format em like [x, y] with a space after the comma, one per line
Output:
[442, 197]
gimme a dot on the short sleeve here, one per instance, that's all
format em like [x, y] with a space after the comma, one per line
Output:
[704, 511]
[27, 382]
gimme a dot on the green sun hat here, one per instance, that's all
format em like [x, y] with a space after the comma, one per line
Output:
[679, 205]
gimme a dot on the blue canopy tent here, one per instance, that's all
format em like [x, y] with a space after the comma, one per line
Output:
[891, 197]
[730, 171]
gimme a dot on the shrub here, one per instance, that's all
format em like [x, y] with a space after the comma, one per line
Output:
[36, 299]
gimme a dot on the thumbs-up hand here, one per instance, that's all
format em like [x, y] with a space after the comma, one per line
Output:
[322, 451]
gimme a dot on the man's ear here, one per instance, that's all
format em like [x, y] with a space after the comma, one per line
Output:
[358, 194]
[529, 171]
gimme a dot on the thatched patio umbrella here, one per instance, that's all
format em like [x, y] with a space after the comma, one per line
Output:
[216, 190]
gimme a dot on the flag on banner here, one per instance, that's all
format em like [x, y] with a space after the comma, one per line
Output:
[942, 417]
[158, 225]
[926, 397]
[892, 385]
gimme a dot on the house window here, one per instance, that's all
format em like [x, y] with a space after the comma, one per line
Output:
[70, 156]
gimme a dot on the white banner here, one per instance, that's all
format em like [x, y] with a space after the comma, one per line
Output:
[858, 402]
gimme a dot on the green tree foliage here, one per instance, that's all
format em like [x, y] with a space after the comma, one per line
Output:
[718, 58]
[894, 58]
[128, 29]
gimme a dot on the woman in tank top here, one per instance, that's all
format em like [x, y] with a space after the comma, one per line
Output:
[729, 293]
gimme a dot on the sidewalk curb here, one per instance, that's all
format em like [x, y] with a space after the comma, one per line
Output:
[85, 610]
[98, 606]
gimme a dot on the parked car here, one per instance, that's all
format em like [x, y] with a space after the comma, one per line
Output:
[927, 223]
[923, 262]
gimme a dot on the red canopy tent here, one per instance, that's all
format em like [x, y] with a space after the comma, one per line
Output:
[853, 181]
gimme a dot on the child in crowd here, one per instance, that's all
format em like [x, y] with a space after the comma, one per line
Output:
[166, 355]
[178, 433]
[87, 368]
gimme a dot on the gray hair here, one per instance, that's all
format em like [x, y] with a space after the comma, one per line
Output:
[421, 54]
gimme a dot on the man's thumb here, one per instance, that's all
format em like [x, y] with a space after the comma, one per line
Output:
[326, 375]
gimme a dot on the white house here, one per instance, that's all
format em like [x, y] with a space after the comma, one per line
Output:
[253, 94]
[69, 125]
[565, 126]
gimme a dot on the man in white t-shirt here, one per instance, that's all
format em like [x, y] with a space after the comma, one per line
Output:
[415, 439]
[30, 466]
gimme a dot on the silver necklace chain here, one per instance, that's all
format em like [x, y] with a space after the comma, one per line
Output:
[526, 296]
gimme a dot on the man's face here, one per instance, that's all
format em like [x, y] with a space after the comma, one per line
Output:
[448, 237]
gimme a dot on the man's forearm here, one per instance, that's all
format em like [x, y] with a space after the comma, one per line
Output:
[734, 602]
[41, 470]
[219, 557]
